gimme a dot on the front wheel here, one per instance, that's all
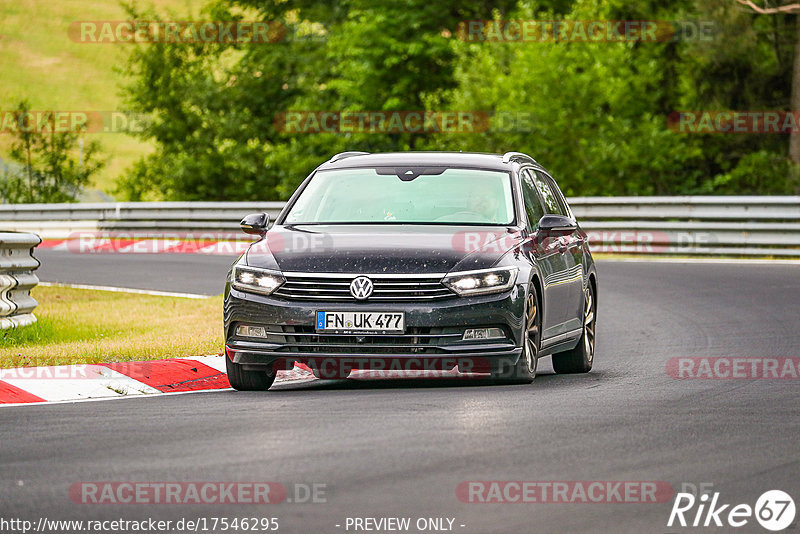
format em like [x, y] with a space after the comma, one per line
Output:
[524, 371]
[580, 359]
[245, 380]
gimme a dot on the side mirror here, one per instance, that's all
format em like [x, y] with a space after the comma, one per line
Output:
[255, 224]
[557, 224]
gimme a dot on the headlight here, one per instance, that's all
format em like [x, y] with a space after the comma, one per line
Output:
[482, 282]
[256, 280]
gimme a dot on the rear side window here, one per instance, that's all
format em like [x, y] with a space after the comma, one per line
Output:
[533, 207]
[560, 198]
[551, 200]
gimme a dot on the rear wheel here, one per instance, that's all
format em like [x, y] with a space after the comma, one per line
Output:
[580, 359]
[246, 380]
[524, 371]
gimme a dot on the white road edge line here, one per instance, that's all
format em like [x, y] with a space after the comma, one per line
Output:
[128, 290]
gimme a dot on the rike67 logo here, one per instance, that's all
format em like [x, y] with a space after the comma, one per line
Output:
[774, 510]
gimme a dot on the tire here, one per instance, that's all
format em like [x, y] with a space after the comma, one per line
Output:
[244, 380]
[581, 358]
[524, 370]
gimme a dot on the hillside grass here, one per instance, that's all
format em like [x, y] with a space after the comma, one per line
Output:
[40, 62]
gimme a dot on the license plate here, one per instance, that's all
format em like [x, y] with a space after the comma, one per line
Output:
[375, 322]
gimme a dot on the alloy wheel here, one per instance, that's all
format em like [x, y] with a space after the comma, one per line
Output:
[588, 323]
[531, 333]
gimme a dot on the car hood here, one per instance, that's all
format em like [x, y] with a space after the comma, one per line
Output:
[379, 249]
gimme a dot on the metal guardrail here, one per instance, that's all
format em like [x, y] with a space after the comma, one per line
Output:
[17, 279]
[689, 207]
[60, 221]
[692, 225]
[736, 225]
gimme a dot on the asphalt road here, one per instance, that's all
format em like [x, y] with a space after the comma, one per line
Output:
[181, 273]
[401, 447]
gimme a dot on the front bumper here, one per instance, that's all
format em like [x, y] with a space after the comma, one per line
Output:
[433, 331]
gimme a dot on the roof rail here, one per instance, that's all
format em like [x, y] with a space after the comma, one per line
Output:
[342, 155]
[509, 156]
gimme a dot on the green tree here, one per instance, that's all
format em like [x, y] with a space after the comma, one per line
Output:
[215, 105]
[49, 170]
[594, 113]
[781, 45]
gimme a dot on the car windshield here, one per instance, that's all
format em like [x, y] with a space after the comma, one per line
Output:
[406, 195]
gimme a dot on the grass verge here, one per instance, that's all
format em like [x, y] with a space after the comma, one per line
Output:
[42, 63]
[85, 326]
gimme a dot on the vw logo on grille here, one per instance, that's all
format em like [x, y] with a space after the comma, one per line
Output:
[361, 287]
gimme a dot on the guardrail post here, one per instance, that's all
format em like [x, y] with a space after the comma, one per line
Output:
[17, 264]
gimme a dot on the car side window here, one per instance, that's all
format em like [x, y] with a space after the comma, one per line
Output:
[533, 206]
[549, 197]
[560, 198]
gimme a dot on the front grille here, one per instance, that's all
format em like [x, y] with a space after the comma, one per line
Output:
[415, 340]
[385, 288]
[303, 339]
